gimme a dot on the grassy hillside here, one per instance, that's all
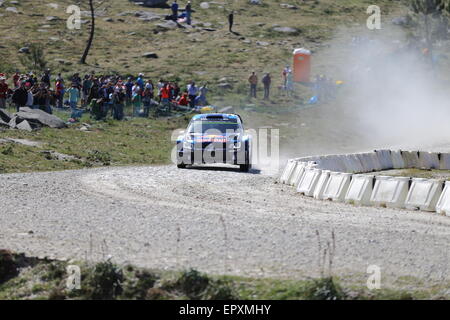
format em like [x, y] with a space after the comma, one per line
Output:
[191, 53]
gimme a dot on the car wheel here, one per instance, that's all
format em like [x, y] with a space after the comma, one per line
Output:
[181, 166]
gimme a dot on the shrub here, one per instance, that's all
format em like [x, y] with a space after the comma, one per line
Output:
[104, 282]
[324, 289]
[8, 266]
[193, 283]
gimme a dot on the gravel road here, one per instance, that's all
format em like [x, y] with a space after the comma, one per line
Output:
[219, 220]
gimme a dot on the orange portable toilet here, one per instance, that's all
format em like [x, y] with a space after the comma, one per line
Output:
[302, 65]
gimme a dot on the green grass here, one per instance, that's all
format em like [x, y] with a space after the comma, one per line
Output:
[46, 279]
[136, 141]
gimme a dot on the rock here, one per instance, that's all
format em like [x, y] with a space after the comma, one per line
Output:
[12, 10]
[209, 29]
[151, 55]
[152, 3]
[288, 6]
[5, 115]
[204, 5]
[2, 2]
[257, 2]
[53, 5]
[15, 3]
[3, 124]
[285, 30]
[168, 25]
[225, 85]
[51, 18]
[42, 117]
[24, 125]
[262, 43]
[53, 38]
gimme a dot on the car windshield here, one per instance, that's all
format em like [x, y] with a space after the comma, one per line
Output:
[214, 127]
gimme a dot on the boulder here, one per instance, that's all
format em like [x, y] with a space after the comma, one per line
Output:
[3, 124]
[168, 25]
[5, 115]
[225, 85]
[24, 125]
[24, 50]
[41, 117]
[288, 6]
[152, 3]
[285, 30]
[150, 55]
[12, 10]
[204, 5]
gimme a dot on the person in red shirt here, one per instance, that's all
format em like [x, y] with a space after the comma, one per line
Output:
[184, 100]
[16, 79]
[4, 91]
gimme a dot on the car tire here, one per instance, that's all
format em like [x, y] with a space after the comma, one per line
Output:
[245, 167]
[181, 166]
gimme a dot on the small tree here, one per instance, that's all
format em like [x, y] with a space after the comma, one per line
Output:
[34, 59]
[429, 9]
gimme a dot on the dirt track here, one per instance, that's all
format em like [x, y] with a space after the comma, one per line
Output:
[214, 220]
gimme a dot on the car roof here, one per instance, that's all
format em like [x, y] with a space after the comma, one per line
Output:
[204, 116]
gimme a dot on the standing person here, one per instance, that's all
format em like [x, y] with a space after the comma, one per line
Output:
[74, 96]
[4, 90]
[128, 90]
[289, 84]
[41, 98]
[118, 103]
[77, 80]
[46, 77]
[188, 11]
[20, 96]
[59, 87]
[174, 8]
[201, 99]
[192, 92]
[140, 80]
[165, 95]
[253, 80]
[266, 80]
[87, 84]
[285, 73]
[160, 86]
[147, 101]
[231, 21]
[136, 99]
[30, 99]
[16, 79]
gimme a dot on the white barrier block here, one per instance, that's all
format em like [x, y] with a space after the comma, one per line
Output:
[336, 186]
[411, 159]
[428, 160]
[308, 181]
[397, 159]
[360, 189]
[444, 161]
[443, 204]
[385, 159]
[365, 162]
[390, 191]
[353, 165]
[321, 183]
[296, 173]
[287, 170]
[423, 194]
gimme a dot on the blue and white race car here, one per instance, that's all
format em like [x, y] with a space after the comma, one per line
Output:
[214, 138]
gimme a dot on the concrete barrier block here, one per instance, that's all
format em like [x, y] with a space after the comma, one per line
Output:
[443, 204]
[321, 183]
[336, 186]
[423, 194]
[360, 189]
[308, 181]
[428, 160]
[411, 159]
[397, 159]
[353, 165]
[444, 161]
[369, 161]
[390, 191]
[291, 163]
[296, 173]
[385, 159]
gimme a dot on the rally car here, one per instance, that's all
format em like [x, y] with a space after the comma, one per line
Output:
[214, 138]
